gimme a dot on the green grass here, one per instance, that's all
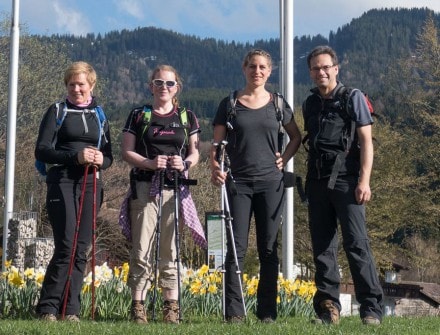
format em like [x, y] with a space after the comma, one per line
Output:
[212, 326]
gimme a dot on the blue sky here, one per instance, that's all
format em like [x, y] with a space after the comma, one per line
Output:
[238, 20]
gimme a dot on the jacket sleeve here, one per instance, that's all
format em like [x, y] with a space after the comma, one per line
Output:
[44, 150]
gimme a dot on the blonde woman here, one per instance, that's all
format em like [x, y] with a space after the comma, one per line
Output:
[155, 139]
[81, 140]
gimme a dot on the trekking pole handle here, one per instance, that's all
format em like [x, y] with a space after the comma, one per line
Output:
[220, 153]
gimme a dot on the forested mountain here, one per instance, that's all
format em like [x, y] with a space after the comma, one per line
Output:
[367, 46]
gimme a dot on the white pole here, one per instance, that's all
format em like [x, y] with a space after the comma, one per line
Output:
[286, 50]
[11, 127]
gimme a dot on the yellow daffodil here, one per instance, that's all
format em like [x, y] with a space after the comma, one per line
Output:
[29, 273]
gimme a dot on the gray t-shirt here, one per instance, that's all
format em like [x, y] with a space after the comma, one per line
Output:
[253, 141]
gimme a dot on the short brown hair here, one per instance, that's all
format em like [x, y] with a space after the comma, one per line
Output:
[321, 50]
[77, 68]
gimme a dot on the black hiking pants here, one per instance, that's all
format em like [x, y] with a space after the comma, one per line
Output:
[62, 207]
[264, 199]
[326, 208]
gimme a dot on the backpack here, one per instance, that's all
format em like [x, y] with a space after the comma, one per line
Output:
[41, 166]
[342, 101]
[344, 95]
[145, 118]
[277, 101]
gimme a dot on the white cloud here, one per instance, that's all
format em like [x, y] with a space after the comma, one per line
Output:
[224, 19]
[131, 7]
[70, 20]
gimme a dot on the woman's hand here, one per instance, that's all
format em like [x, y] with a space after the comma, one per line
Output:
[175, 162]
[160, 162]
[90, 155]
[218, 177]
[279, 161]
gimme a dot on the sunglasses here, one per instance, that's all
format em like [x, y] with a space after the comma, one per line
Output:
[168, 83]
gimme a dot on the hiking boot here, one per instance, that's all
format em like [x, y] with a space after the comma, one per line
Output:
[171, 312]
[329, 313]
[235, 319]
[267, 319]
[71, 318]
[138, 314]
[370, 320]
[47, 317]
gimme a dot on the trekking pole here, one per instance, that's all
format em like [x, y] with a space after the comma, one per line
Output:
[220, 159]
[228, 217]
[177, 238]
[158, 231]
[93, 241]
[227, 220]
[75, 241]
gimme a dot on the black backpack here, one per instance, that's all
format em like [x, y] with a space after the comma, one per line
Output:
[343, 104]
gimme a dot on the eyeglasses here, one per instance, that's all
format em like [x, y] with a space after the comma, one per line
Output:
[324, 68]
[168, 83]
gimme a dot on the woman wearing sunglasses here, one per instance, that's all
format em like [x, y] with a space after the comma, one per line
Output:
[160, 142]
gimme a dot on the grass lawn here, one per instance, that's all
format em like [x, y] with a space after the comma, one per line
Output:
[197, 325]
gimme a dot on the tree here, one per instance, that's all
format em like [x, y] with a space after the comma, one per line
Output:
[415, 84]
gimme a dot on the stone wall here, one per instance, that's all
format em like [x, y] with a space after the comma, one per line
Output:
[25, 249]
[414, 307]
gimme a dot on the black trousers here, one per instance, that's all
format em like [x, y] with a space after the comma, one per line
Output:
[265, 201]
[326, 208]
[62, 204]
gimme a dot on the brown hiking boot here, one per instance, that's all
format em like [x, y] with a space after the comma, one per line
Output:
[47, 317]
[138, 314]
[72, 318]
[371, 321]
[329, 313]
[235, 319]
[171, 312]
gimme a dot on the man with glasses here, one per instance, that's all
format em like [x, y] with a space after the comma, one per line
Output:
[340, 160]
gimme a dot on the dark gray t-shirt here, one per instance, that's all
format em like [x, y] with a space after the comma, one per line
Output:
[253, 141]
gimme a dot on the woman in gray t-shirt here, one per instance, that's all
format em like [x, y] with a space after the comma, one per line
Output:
[254, 179]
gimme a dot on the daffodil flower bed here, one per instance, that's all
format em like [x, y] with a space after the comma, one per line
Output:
[201, 293]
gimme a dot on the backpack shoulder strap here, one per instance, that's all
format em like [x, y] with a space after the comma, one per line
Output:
[183, 117]
[343, 94]
[60, 115]
[145, 118]
[279, 103]
[100, 117]
[231, 112]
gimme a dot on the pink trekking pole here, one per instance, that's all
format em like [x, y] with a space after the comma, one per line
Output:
[75, 242]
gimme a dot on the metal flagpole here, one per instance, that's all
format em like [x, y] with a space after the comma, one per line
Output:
[286, 83]
[11, 128]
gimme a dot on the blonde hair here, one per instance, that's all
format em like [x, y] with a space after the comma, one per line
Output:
[169, 68]
[257, 52]
[77, 68]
